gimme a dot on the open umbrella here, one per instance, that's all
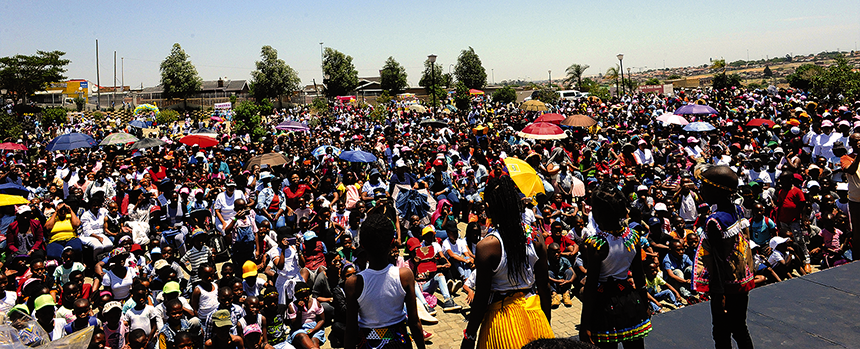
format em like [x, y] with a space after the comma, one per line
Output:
[533, 105]
[71, 141]
[433, 122]
[320, 151]
[200, 140]
[137, 123]
[290, 125]
[542, 130]
[7, 200]
[417, 108]
[271, 159]
[473, 92]
[357, 156]
[12, 146]
[579, 120]
[699, 126]
[524, 176]
[14, 189]
[692, 109]
[147, 143]
[672, 119]
[552, 118]
[760, 122]
[118, 138]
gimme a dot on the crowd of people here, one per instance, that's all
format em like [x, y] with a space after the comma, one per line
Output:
[178, 246]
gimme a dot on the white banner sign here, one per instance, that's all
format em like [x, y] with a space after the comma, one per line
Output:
[226, 105]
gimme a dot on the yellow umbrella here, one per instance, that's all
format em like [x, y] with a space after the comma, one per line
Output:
[533, 105]
[6, 200]
[524, 177]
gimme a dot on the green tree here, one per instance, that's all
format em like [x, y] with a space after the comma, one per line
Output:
[505, 95]
[546, 95]
[839, 79]
[247, 120]
[384, 98]
[574, 74]
[461, 96]
[273, 77]
[612, 74]
[10, 127]
[167, 117]
[79, 103]
[431, 81]
[630, 85]
[652, 81]
[469, 69]
[447, 80]
[23, 75]
[392, 77]
[767, 72]
[54, 117]
[342, 76]
[265, 107]
[803, 76]
[719, 64]
[320, 105]
[673, 77]
[179, 77]
[723, 80]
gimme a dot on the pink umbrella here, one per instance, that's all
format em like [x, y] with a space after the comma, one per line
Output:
[216, 118]
[672, 119]
[552, 118]
[542, 130]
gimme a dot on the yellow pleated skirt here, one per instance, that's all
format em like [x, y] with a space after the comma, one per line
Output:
[513, 322]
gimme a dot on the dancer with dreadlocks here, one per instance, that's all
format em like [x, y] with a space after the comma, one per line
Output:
[375, 297]
[510, 265]
[724, 264]
[613, 310]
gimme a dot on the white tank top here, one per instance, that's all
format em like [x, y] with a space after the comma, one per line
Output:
[381, 303]
[500, 282]
[208, 302]
[617, 262]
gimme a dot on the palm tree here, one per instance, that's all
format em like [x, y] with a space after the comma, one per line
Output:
[612, 74]
[574, 73]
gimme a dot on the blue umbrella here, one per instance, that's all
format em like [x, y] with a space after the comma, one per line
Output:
[691, 109]
[14, 189]
[320, 151]
[699, 126]
[71, 141]
[357, 156]
[137, 123]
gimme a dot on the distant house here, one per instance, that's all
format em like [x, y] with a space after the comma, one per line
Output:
[211, 92]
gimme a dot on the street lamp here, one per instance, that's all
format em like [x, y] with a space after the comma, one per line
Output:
[550, 78]
[620, 57]
[630, 77]
[432, 59]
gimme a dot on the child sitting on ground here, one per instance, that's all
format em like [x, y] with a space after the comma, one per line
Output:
[655, 293]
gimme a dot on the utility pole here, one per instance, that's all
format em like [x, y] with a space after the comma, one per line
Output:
[98, 80]
[122, 82]
[113, 95]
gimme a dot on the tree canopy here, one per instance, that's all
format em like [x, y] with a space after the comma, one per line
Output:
[179, 77]
[469, 69]
[23, 75]
[574, 74]
[342, 76]
[723, 80]
[803, 76]
[505, 95]
[392, 77]
[837, 80]
[273, 77]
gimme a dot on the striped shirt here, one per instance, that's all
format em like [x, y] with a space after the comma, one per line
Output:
[194, 259]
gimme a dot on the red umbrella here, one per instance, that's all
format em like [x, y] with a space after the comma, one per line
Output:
[200, 140]
[542, 130]
[12, 146]
[760, 122]
[552, 118]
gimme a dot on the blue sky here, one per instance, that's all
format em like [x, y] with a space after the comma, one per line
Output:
[514, 39]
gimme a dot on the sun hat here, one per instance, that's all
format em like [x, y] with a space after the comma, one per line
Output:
[249, 269]
[43, 301]
[112, 305]
[170, 287]
[252, 328]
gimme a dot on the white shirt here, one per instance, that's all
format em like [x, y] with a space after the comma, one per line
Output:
[140, 318]
[644, 156]
[225, 204]
[93, 223]
[459, 247]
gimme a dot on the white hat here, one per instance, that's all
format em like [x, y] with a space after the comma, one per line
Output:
[842, 186]
[660, 207]
[400, 163]
[811, 184]
[642, 188]
[776, 241]
[21, 209]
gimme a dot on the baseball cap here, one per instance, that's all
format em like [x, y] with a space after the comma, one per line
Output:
[811, 184]
[427, 230]
[249, 269]
[692, 139]
[779, 150]
[413, 243]
[155, 250]
[438, 162]
[21, 209]
[231, 183]
[642, 142]
[841, 186]
[252, 328]
[776, 241]
[43, 301]
[170, 287]
[400, 163]
[660, 207]
[795, 130]
[221, 318]
[112, 305]
[827, 123]
[309, 235]
[21, 308]
[642, 188]
[451, 227]
[160, 264]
